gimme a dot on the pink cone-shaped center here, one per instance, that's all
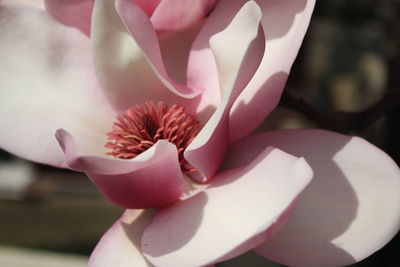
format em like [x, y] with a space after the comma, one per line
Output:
[141, 127]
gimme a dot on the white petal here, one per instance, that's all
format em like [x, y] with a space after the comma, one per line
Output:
[242, 208]
[120, 245]
[47, 82]
[349, 210]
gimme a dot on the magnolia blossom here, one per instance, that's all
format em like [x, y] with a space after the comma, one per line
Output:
[156, 101]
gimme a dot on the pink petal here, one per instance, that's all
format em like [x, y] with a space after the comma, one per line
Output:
[284, 23]
[173, 15]
[250, 259]
[239, 211]
[123, 70]
[350, 209]
[120, 245]
[75, 13]
[143, 33]
[236, 65]
[46, 83]
[148, 6]
[175, 49]
[151, 179]
[202, 68]
[34, 3]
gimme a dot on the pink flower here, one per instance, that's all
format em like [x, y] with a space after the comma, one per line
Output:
[227, 70]
[165, 15]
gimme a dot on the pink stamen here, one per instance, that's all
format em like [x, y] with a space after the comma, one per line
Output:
[141, 127]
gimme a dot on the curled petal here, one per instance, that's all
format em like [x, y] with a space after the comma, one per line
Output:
[285, 24]
[123, 70]
[202, 68]
[151, 179]
[349, 210]
[239, 211]
[236, 66]
[142, 31]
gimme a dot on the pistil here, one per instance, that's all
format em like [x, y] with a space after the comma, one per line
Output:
[141, 127]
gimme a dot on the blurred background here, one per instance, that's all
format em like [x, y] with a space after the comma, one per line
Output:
[349, 60]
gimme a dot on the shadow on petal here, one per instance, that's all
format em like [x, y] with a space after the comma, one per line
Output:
[243, 209]
[186, 225]
[280, 14]
[135, 233]
[267, 96]
[327, 222]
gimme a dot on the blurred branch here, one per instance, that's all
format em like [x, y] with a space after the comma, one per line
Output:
[341, 121]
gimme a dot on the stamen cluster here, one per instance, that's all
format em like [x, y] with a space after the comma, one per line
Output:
[141, 127]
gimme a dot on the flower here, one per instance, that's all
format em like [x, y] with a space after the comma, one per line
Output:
[227, 70]
[165, 15]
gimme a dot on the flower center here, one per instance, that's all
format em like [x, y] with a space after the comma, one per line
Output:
[141, 127]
